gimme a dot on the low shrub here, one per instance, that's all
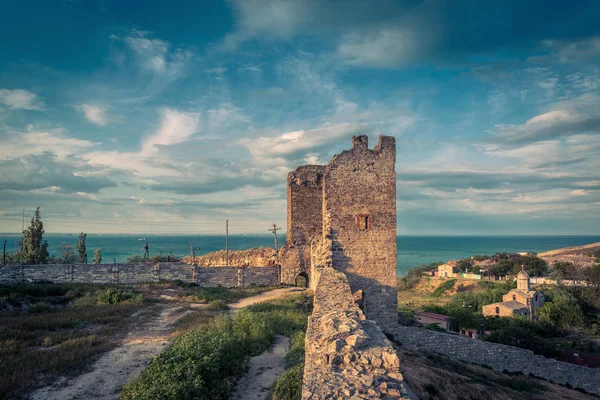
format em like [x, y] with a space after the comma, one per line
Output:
[117, 296]
[289, 384]
[218, 305]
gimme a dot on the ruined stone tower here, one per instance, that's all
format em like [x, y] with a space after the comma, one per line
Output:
[344, 215]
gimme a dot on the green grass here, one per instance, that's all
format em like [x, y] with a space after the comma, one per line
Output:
[205, 363]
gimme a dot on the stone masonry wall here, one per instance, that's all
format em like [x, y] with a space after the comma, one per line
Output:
[139, 273]
[305, 206]
[500, 357]
[347, 356]
[294, 260]
[361, 183]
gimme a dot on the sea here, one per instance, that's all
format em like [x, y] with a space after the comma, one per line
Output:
[412, 250]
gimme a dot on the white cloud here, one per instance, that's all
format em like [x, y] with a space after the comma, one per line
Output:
[579, 115]
[302, 141]
[19, 99]
[35, 141]
[580, 50]
[175, 127]
[96, 114]
[384, 48]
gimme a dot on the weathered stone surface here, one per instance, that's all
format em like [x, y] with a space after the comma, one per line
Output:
[140, 272]
[360, 362]
[500, 357]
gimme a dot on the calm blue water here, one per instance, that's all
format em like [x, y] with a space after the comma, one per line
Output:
[412, 250]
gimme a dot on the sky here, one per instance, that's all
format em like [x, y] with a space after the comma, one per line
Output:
[171, 117]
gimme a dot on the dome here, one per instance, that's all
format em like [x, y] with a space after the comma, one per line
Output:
[522, 275]
[522, 280]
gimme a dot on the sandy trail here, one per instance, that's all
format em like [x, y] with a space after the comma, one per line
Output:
[141, 344]
[263, 371]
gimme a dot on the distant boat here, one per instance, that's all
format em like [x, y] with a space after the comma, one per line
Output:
[142, 239]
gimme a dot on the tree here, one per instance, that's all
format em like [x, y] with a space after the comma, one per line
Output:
[533, 265]
[502, 267]
[97, 256]
[464, 265]
[34, 250]
[66, 255]
[562, 311]
[82, 259]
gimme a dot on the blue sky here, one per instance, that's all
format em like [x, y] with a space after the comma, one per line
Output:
[153, 116]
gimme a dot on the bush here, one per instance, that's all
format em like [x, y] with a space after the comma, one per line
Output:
[218, 305]
[289, 384]
[205, 363]
[117, 296]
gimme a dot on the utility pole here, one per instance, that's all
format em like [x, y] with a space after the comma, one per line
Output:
[169, 256]
[192, 252]
[274, 230]
[22, 236]
[227, 243]
[4, 254]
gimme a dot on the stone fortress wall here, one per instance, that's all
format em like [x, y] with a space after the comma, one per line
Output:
[256, 257]
[351, 202]
[140, 273]
[500, 357]
[347, 356]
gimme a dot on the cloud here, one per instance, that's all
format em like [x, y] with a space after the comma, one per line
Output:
[571, 117]
[45, 171]
[19, 99]
[175, 127]
[393, 34]
[575, 51]
[301, 142]
[96, 114]
[384, 48]
[156, 56]
[36, 141]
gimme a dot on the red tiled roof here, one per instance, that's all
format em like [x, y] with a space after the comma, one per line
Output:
[433, 315]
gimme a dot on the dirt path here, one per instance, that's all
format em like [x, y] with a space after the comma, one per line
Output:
[266, 296]
[139, 347]
[263, 371]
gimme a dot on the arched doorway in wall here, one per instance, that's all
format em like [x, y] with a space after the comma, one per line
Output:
[302, 280]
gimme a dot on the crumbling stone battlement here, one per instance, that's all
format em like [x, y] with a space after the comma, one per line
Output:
[347, 356]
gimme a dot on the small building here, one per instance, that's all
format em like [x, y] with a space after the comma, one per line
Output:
[448, 270]
[471, 333]
[427, 318]
[521, 301]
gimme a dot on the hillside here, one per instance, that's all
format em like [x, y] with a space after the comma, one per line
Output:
[586, 249]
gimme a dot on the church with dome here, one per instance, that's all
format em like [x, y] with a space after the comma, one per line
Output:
[521, 301]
